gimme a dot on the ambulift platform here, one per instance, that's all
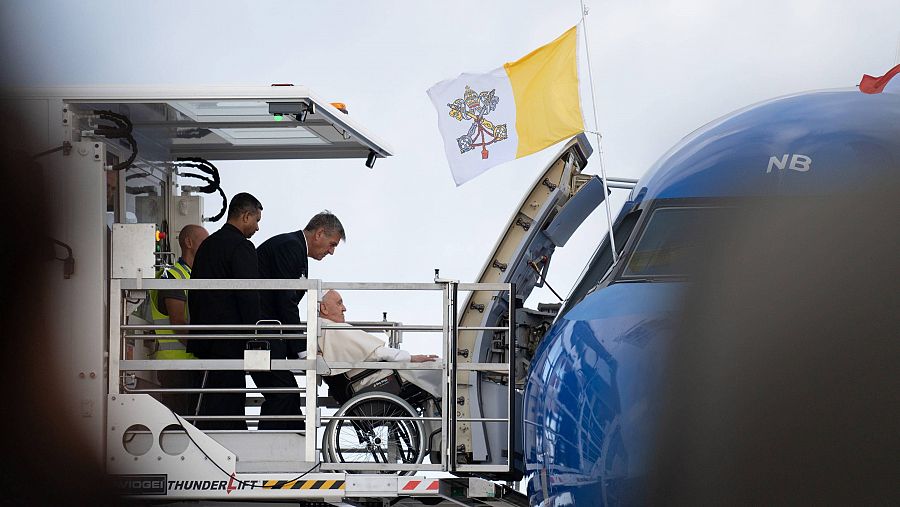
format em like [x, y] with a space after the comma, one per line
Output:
[155, 455]
[152, 451]
[158, 475]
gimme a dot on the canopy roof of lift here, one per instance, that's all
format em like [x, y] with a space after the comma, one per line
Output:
[229, 123]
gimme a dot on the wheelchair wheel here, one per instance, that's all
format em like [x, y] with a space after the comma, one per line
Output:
[376, 438]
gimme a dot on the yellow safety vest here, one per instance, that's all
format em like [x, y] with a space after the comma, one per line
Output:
[169, 348]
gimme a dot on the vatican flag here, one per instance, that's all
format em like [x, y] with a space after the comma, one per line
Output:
[512, 111]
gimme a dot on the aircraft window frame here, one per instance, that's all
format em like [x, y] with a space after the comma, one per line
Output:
[625, 227]
[624, 262]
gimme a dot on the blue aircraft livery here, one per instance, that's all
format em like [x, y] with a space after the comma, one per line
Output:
[589, 405]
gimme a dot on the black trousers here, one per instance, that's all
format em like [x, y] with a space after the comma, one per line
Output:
[223, 404]
[233, 404]
[279, 403]
[181, 403]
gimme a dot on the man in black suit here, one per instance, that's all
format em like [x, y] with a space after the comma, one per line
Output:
[285, 257]
[226, 254]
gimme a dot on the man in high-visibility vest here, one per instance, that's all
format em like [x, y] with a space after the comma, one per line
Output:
[170, 307]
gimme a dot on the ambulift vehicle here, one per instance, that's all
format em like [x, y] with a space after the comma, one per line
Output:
[115, 160]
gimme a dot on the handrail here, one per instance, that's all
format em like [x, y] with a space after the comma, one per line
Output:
[229, 336]
[450, 330]
[273, 327]
[298, 365]
[265, 284]
[291, 284]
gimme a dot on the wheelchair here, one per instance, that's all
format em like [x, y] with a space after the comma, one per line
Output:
[372, 435]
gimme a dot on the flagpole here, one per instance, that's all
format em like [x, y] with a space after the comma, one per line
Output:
[587, 49]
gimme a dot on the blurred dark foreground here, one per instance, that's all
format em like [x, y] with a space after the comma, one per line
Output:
[45, 461]
[782, 386]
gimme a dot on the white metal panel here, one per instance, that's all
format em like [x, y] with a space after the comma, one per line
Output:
[132, 250]
[76, 307]
[129, 410]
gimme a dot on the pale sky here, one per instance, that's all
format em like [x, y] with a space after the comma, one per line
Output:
[661, 70]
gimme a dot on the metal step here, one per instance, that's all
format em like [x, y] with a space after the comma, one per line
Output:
[259, 451]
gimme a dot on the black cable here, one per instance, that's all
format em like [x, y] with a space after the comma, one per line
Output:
[210, 184]
[538, 271]
[68, 260]
[224, 207]
[214, 174]
[214, 181]
[134, 152]
[106, 113]
[221, 212]
[230, 476]
[198, 161]
[121, 129]
[202, 164]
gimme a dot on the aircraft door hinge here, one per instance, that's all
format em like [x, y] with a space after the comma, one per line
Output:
[524, 222]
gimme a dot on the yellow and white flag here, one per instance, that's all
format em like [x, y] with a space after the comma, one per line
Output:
[512, 111]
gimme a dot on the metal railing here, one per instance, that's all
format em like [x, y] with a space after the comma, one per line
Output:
[123, 290]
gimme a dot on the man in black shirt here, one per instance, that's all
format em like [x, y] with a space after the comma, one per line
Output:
[285, 257]
[226, 254]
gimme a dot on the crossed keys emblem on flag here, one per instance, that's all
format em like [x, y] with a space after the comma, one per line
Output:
[475, 106]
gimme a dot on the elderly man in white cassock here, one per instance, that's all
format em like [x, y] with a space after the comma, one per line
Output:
[356, 345]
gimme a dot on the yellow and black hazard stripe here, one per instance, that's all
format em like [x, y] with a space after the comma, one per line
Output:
[332, 484]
